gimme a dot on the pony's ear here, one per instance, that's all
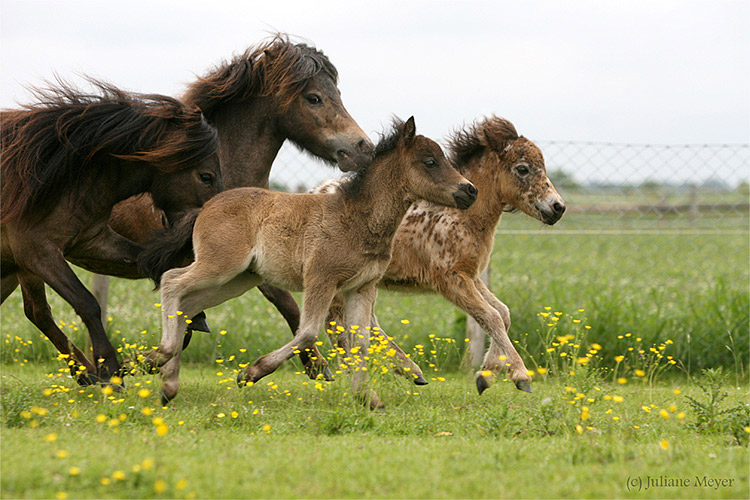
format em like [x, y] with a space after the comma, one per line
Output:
[410, 130]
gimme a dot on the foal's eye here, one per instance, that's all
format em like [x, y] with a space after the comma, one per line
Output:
[430, 163]
[522, 169]
[313, 99]
[207, 178]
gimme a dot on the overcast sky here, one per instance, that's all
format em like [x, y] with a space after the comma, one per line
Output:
[637, 71]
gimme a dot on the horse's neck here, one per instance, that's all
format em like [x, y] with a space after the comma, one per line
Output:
[248, 143]
[484, 214]
[382, 203]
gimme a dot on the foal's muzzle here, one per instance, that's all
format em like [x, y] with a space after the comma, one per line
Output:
[465, 195]
[551, 209]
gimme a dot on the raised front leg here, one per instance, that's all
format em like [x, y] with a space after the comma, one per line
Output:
[465, 293]
[313, 361]
[318, 298]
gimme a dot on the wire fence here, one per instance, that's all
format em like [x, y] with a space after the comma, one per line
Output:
[655, 241]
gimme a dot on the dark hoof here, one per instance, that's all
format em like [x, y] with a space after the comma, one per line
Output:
[313, 371]
[482, 384]
[165, 399]
[420, 380]
[186, 340]
[523, 385]
[87, 379]
[241, 382]
[328, 375]
[199, 323]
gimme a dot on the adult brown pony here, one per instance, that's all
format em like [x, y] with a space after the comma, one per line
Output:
[324, 244]
[67, 159]
[443, 250]
[273, 92]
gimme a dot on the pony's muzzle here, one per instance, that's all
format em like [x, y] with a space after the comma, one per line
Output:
[465, 196]
[354, 155]
[551, 209]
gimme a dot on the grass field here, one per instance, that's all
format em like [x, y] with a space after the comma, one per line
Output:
[650, 307]
[293, 439]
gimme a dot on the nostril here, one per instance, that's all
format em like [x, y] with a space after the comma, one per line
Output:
[558, 207]
[471, 190]
[342, 153]
[365, 146]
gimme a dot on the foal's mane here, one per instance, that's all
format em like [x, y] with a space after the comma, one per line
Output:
[50, 146]
[492, 133]
[352, 184]
[276, 67]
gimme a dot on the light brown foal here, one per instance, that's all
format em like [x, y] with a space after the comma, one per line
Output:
[442, 250]
[324, 244]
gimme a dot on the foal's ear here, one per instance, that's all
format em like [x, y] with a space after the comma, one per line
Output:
[410, 130]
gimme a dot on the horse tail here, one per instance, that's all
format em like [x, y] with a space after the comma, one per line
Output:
[170, 248]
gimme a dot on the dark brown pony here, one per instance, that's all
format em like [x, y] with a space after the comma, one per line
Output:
[67, 159]
[272, 92]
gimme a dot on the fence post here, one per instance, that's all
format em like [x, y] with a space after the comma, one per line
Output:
[477, 339]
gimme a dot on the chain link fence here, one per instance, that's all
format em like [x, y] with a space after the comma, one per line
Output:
[654, 242]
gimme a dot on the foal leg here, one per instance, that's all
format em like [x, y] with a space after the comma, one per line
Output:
[196, 300]
[465, 293]
[358, 311]
[318, 298]
[37, 309]
[313, 361]
[403, 365]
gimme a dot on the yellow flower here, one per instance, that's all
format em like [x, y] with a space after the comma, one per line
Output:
[664, 444]
[622, 380]
[486, 373]
[596, 347]
[61, 454]
[50, 437]
[579, 429]
[619, 358]
[105, 481]
[640, 373]
[147, 463]
[404, 321]
[116, 380]
[74, 471]
[181, 484]
[61, 495]
[676, 391]
[162, 429]
[664, 413]
[107, 390]
[160, 486]
[618, 399]
[681, 415]
[541, 370]
[147, 411]
[144, 393]
[118, 475]
[267, 428]
[235, 414]
[101, 418]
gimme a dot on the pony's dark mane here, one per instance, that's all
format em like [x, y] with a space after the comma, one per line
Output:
[352, 185]
[275, 68]
[51, 145]
[492, 133]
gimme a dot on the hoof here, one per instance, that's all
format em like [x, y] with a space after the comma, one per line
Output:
[482, 384]
[165, 399]
[199, 323]
[420, 380]
[87, 379]
[523, 385]
[313, 371]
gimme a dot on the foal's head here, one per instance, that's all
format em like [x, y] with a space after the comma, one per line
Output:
[426, 172]
[301, 85]
[515, 164]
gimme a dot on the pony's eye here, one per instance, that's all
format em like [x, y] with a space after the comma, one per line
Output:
[313, 99]
[430, 163]
[207, 178]
[522, 170]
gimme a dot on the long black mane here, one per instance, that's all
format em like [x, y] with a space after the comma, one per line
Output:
[276, 67]
[51, 145]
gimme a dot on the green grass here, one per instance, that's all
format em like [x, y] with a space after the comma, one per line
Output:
[293, 440]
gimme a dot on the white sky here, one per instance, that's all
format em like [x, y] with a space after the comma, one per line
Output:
[637, 71]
